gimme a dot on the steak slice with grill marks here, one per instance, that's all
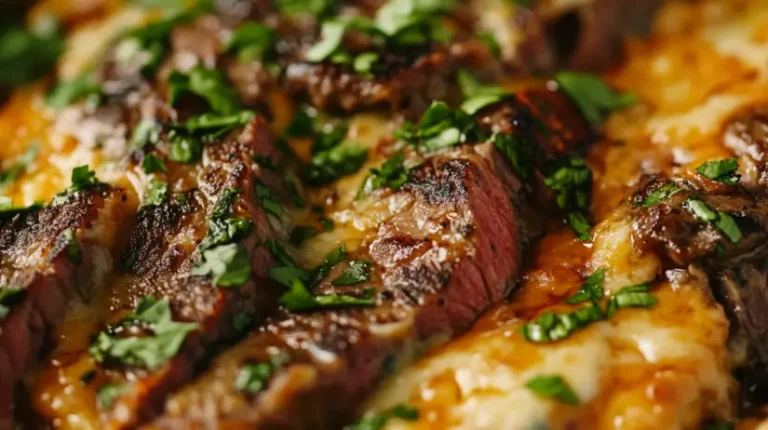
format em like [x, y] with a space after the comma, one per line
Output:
[447, 249]
[52, 257]
[163, 253]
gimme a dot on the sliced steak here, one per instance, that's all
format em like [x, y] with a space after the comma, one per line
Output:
[51, 258]
[449, 247]
[166, 250]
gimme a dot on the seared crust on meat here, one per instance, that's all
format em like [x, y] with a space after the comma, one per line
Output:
[56, 255]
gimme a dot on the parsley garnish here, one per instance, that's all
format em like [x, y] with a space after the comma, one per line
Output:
[252, 41]
[152, 163]
[660, 195]
[146, 132]
[330, 137]
[269, 200]
[28, 54]
[156, 194]
[9, 296]
[223, 228]
[299, 298]
[392, 174]
[724, 222]
[185, 149]
[554, 387]
[378, 421]
[517, 150]
[442, 127]
[208, 84]
[357, 272]
[550, 327]
[253, 377]
[68, 92]
[214, 125]
[490, 41]
[721, 171]
[18, 168]
[150, 351]
[337, 162]
[302, 124]
[365, 64]
[309, 7]
[572, 182]
[478, 96]
[592, 96]
[591, 289]
[108, 393]
[227, 264]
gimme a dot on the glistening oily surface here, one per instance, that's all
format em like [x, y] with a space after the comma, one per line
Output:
[259, 214]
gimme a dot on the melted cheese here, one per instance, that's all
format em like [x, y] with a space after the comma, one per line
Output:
[663, 367]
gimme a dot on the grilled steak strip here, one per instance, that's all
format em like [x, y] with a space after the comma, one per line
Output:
[160, 263]
[51, 258]
[449, 248]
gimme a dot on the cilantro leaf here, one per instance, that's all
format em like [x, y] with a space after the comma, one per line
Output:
[227, 264]
[517, 150]
[379, 420]
[152, 164]
[392, 174]
[572, 183]
[592, 96]
[724, 222]
[478, 96]
[108, 393]
[185, 149]
[269, 200]
[67, 92]
[216, 125]
[253, 377]
[337, 162]
[721, 171]
[441, 127]
[659, 195]
[146, 132]
[156, 194]
[553, 386]
[309, 7]
[298, 298]
[252, 41]
[357, 272]
[149, 351]
[551, 327]
[209, 84]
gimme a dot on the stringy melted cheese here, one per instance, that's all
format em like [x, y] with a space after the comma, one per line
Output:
[660, 368]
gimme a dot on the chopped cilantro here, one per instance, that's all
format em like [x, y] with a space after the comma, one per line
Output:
[208, 84]
[68, 92]
[253, 377]
[299, 298]
[478, 96]
[227, 264]
[337, 162]
[631, 297]
[592, 96]
[108, 393]
[490, 41]
[550, 327]
[27, 54]
[216, 125]
[441, 127]
[660, 195]
[302, 124]
[309, 7]
[269, 200]
[365, 63]
[185, 149]
[327, 223]
[149, 351]
[156, 194]
[146, 132]
[379, 420]
[572, 183]
[517, 150]
[152, 164]
[721, 171]
[392, 174]
[330, 137]
[331, 36]
[554, 387]
[357, 272]
[724, 222]
[223, 228]
[591, 289]
[251, 41]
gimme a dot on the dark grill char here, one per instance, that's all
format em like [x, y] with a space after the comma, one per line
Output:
[161, 251]
[450, 250]
[738, 272]
[34, 256]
